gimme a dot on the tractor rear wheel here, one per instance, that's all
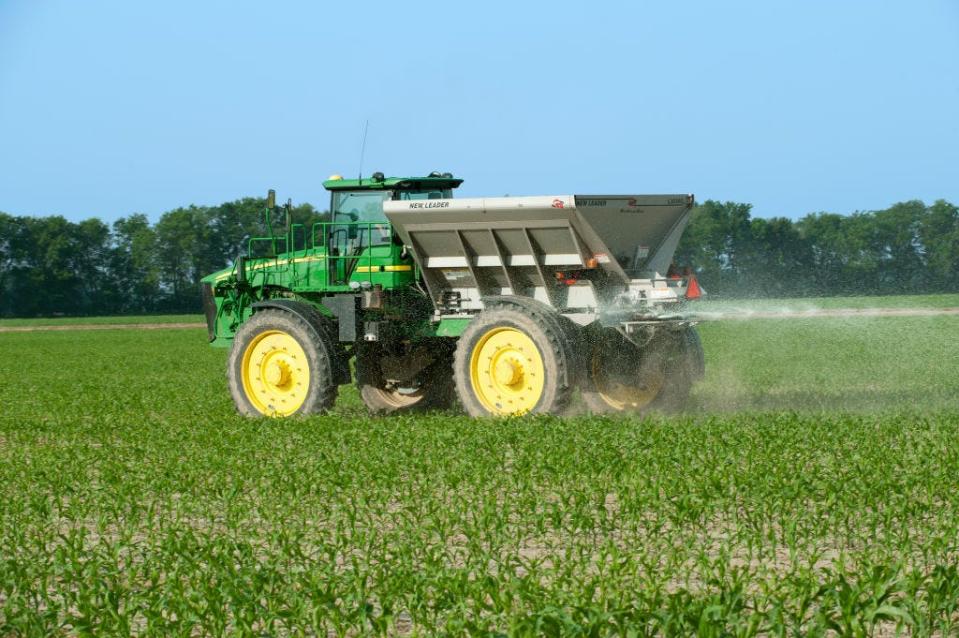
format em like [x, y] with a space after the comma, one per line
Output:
[406, 381]
[514, 360]
[625, 378]
[281, 365]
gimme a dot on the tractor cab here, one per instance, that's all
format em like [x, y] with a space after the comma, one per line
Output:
[361, 200]
[358, 226]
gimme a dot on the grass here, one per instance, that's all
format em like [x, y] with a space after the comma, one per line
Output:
[120, 319]
[849, 364]
[811, 491]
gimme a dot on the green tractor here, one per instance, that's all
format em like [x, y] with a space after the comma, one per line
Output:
[507, 305]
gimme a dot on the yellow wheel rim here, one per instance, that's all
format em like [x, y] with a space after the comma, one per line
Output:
[276, 373]
[507, 372]
[626, 396]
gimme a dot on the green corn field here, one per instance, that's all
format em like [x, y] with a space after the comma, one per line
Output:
[813, 489]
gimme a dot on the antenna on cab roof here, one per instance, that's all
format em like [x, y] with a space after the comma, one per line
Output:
[366, 130]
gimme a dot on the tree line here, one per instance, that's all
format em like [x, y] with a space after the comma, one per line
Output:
[52, 266]
[908, 248]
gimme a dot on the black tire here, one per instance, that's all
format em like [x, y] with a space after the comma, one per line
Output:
[667, 367]
[434, 389]
[552, 341]
[685, 365]
[695, 357]
[318, 347]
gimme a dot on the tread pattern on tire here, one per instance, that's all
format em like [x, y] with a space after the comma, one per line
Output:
[683, 364]
[547, 330]
[315, 341]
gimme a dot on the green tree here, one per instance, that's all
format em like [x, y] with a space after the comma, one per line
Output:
[185, 248]
[899, 252]
[939, 237]
[8, 226]
[716, 237]
[776, 261]
[234, 223]
[53, 265]
[88, 257]
[134, 265]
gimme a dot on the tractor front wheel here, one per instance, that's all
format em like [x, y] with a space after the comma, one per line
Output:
[281, 365]
[512, 360]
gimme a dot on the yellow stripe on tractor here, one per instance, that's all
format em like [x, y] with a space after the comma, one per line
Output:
[397, 268]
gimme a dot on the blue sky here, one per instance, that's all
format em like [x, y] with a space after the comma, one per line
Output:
[108, 108]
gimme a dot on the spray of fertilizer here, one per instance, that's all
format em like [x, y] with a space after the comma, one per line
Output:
[770, 355]
[786, 312]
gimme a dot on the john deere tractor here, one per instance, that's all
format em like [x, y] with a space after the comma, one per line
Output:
[507, 305]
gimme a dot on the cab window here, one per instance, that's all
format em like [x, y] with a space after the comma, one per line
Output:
[352, 210]
[365, 206]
